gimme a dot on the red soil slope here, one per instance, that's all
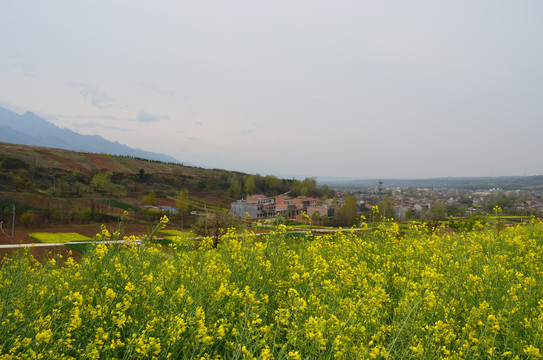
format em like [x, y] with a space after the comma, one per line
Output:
[106, 163]
[64, 161]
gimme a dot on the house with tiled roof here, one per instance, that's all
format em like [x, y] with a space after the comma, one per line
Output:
[261, 207]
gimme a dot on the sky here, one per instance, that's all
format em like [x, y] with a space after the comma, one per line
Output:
[360, 89]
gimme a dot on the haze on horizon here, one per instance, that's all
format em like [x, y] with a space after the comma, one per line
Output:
[363, 89]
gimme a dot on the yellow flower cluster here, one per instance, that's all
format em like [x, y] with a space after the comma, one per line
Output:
[104, 233]
[164, 221]
[383, 293]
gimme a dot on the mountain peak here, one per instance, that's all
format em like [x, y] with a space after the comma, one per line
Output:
[31, 129]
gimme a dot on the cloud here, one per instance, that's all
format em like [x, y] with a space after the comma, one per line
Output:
[198, 123]
[94, 95]
[153, 89]
[247, 132]
[83, 116]
[146, 117]
[22, 62]
[14, 108]
[92, 125]
[29, 69]
[192, 139]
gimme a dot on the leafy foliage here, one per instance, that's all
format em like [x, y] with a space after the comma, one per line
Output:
[12, 163]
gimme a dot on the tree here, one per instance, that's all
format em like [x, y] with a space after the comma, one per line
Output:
[11, 163]
[438, 212]
[307, 187]
[101, 182]
[182, 201]
[250, 184]
[182, 204]
[386, 207]
[316, 218]
[27, 219]
[327, 192]
[348, 213]
[271, 183]
[151, 198]
[214, 225]
[18, 181]
[84, 215]
[456, 210]
[409, 214]
[235, 187]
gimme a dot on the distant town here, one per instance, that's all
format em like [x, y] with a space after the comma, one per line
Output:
[437, 203]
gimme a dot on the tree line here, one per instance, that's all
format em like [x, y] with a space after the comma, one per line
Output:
[271, 185]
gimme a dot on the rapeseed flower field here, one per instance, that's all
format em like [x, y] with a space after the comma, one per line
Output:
[375, 295]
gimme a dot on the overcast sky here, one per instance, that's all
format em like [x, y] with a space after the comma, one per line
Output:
[366, 89]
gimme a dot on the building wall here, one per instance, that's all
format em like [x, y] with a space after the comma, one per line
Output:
[323, 210]
[240, 209]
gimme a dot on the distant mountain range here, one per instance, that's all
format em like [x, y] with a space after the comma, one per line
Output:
[30, 129]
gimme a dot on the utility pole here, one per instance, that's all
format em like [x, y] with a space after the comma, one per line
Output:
[380, 194]
[13, 224]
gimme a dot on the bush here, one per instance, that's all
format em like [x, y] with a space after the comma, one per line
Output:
[27, 219]
[11, 163]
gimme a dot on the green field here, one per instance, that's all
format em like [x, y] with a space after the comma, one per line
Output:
[58, 237]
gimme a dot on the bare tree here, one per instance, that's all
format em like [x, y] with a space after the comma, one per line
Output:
[214, 225]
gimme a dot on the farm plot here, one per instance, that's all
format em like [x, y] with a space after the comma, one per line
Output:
[45, 237]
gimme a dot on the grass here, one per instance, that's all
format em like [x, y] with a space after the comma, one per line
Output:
[377, 294]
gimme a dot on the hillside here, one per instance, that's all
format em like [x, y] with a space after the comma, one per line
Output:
[63, 185]
[91, 163]
[56, 185]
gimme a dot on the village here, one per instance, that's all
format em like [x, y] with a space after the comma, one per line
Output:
[261, 207]
[398, 203]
